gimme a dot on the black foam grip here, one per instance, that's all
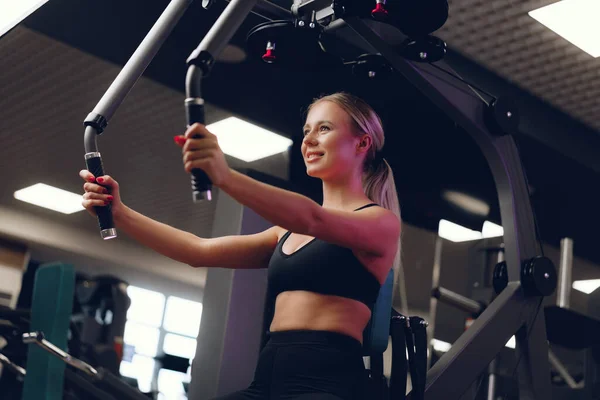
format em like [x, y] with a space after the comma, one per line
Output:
[105, 217]
[195, 114]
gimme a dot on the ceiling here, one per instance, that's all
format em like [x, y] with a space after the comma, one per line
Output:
[58, 64]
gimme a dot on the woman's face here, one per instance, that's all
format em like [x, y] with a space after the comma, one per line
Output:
[330, 145]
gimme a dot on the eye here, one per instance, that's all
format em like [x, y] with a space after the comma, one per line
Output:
[324, 127]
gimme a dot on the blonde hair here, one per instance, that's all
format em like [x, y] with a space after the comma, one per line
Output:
[378, 178]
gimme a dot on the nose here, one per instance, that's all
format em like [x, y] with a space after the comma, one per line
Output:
[309, 139]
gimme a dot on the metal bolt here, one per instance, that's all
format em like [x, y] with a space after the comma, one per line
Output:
[300, 23]
[509, 114]
[372, 74]
[546, 275]
[423, 55]
[312, 25]
[424, 323]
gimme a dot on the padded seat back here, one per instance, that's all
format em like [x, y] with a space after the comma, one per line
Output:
[376, 334]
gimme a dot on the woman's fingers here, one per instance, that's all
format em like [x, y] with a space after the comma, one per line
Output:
[197, 129]
[97, 198]
[194, 155]
[92, 187]
[87, 175]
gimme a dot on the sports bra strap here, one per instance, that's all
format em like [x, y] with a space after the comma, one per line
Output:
[367, 206]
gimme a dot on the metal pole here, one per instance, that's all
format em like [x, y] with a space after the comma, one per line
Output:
[38, 338]
[562, 371]
[435, 282]
[564, 277]
[492, 381]
[491, 394]
[457, 301]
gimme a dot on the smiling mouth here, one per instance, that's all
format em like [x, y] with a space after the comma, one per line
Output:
[314, 156]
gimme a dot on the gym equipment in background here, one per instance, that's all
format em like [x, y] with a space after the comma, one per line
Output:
[98, 320]
[56, 309]
[565, 328]
[100, 378]
[51, 307]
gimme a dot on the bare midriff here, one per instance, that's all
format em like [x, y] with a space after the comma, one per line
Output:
[302, 310]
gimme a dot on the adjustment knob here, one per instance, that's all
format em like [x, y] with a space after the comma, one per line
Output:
[379, 12]
[538, 276]
[269, 56]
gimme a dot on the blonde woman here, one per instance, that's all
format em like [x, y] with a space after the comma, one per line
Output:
[326, 263]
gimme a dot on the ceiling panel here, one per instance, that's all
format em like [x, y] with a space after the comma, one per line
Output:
[501, 36]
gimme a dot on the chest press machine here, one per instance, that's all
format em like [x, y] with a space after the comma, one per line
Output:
[529, 277]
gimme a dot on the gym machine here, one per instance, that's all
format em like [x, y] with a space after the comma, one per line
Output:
[63, 309]
[84, 381]
[565, 327]
[529, 276]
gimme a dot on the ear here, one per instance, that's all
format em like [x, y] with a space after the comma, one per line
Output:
[364, 144]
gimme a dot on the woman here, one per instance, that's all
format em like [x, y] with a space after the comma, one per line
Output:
[326, 263]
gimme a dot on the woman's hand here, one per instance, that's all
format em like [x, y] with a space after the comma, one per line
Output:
[201, 150]
[99, 192]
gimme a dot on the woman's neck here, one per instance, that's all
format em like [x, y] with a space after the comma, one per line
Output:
[344, 195]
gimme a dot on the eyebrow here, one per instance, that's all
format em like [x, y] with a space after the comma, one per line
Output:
[318, 123]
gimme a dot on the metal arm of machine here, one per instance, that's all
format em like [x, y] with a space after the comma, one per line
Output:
[100, 377]
[459, 301]
[515, 309]
[38, 338]
[16, 369]
[97, 120]
[200, 63]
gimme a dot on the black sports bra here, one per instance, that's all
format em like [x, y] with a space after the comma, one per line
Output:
[323, 268]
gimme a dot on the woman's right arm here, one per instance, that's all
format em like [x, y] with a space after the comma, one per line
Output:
[238, 251]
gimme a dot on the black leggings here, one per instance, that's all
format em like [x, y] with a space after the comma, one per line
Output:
[305, 365]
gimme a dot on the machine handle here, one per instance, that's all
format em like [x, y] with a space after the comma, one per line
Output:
[201, 184]
[105, 217]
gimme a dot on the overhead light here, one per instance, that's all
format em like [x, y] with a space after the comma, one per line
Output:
[574, 20]
[491, 230]
[246, 141]
[467, 203]
[13, 12]
[456, 233]
[50, 197]
[586, 286]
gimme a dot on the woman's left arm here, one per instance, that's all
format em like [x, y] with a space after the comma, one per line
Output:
[372, 230]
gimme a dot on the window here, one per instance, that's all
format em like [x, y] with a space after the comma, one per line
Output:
[157, 325]
[183, 316]
[170, 384]
[147, 306]
[140, 368]
[143, 338]
[180, 346]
